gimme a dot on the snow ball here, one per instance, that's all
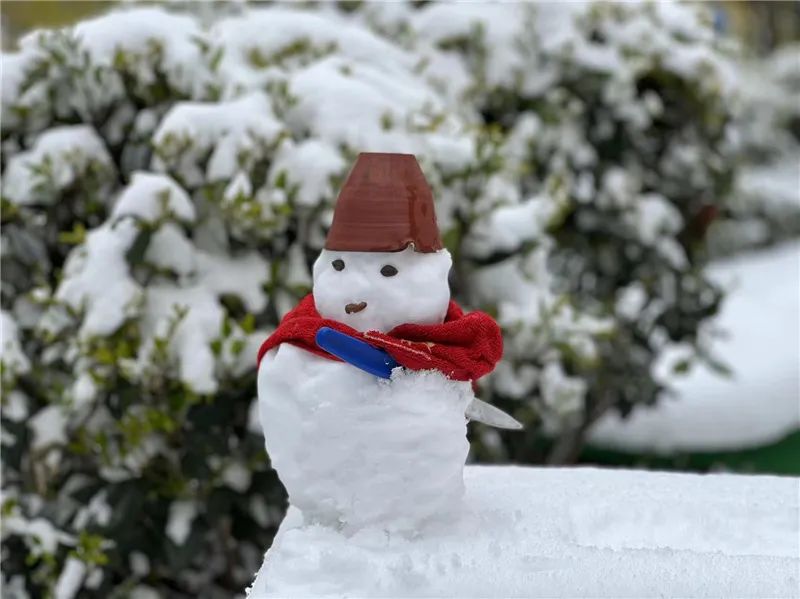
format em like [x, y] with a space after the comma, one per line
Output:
[356, 451]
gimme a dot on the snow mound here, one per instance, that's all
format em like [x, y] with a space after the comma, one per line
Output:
[583, 532]
[757, 404]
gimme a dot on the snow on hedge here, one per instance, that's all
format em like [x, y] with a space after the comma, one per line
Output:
[57, 160]
[757, 403]
[581, 532]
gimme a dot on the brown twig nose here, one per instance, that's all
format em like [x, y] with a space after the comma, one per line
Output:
[352, 308]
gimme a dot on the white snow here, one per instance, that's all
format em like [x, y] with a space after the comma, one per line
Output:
[63, 153]
[419, 293]
[97, 511]
[362, 106]
[653, 217]
[48, 427]
[171, 249]
[179, 524]
[313, 184]
[236, 476]
[70, 579]
[12, 355]
[195, 317]
[243, 275]
[563, 394]
[153, 39]
[97, 282]
[508, 228]
[152, 196]
[41, 536]
[295, 37]
[202, 317]
[581, 532]
[15, 67]
[15, 406]
[522, 289]
[760, 403]
[500, 26]
[235, 131]
[776, 185]
[354, 450]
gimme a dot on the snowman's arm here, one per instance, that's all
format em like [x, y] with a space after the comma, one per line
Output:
[488, 414]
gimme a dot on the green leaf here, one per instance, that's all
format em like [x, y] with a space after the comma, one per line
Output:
[135, 255]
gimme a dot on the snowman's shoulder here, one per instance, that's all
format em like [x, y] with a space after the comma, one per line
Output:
[285, 354]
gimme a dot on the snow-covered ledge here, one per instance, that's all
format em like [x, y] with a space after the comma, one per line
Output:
[580, 532]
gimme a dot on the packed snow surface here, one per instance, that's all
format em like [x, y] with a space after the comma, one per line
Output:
[354, 450]
[581, 532]
[758, 403]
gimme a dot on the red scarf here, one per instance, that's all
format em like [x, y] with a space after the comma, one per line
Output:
[464, 348]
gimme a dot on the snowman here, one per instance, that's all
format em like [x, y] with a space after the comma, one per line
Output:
[365, 388]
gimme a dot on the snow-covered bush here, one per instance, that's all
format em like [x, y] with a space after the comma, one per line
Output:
[765, 206]
[614, 133]
[166, 185]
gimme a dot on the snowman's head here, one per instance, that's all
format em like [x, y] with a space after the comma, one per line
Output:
[381, 290]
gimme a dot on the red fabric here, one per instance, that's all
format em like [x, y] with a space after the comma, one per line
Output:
[464, 348]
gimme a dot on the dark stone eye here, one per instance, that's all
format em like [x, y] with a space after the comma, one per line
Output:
[388, 270]
[338, 264]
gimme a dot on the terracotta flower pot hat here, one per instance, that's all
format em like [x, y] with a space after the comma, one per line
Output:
[385, 205]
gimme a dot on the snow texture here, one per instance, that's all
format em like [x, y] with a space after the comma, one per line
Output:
[97, 282]
[70, 579]
[168, 39]
[419, 293]
[582, 532]
[347, 445]
[12, 356]
[758, 404]
[151, 197]
[232, 132]
[252, 59]
[179, 525]
[58, 158]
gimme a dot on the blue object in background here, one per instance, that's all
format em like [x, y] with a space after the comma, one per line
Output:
[356, 352]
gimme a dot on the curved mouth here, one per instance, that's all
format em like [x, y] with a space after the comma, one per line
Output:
[353, 308]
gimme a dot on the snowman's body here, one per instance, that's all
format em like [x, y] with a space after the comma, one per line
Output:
[354, 450]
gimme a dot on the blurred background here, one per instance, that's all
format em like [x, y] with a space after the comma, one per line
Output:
[619, 185]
